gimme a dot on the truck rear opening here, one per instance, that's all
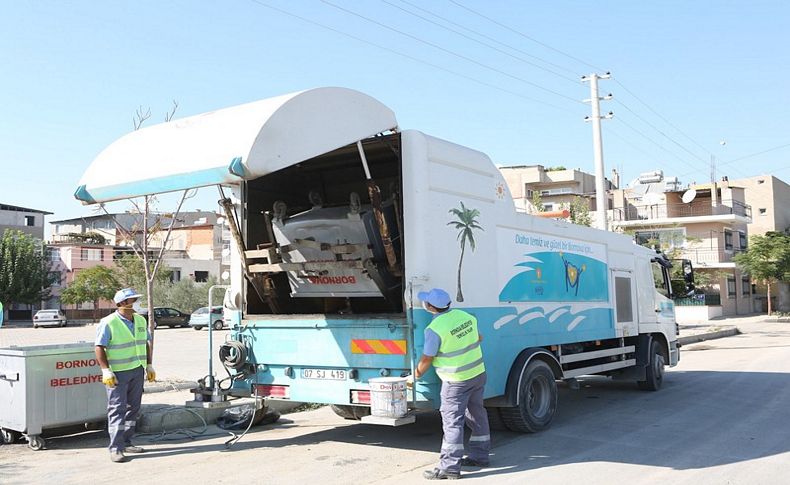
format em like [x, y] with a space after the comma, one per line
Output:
[317, 245]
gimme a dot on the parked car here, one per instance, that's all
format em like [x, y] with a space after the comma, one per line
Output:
[167, 317]
[49, 318]
[201, 318]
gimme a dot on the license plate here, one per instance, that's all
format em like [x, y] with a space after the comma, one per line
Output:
[325, 374]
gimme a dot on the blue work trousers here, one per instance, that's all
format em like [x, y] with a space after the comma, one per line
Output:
[123, 406]
[462, 403]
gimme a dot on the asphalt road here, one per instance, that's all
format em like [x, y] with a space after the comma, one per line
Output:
[722, 417]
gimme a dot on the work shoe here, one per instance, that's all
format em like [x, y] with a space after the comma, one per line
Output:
[466, 461]
[133, 449]
[117, 456]
[437, 474]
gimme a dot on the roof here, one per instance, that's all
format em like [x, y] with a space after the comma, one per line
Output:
[128, 219]
[230, 145]
[16, 208]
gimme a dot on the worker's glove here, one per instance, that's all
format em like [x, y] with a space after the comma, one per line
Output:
[150, 373]
[410, 381]
[108, 378]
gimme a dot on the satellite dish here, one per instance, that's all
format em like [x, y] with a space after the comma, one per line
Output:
[220, 220]
[688, 196]
[225, 275]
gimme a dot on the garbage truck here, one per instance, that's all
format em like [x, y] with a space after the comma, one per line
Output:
[339, 218]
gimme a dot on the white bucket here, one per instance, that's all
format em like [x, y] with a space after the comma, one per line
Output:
[388, 397]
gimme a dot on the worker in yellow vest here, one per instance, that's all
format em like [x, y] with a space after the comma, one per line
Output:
[452, 346]
[123, 349]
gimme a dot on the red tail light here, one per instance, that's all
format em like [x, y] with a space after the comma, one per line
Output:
[270, 390]
[359, 396]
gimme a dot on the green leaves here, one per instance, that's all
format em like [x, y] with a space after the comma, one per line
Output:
[91, 285]
[767, 258]
[24, 269]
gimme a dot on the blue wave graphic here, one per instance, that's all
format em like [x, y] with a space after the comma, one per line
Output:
[561, 319]
[557, 276]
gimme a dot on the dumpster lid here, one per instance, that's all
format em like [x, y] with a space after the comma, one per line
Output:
[49, 349]
[230, 145]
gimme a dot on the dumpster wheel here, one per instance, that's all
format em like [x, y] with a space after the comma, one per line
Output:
[36, 442]
[9, 436]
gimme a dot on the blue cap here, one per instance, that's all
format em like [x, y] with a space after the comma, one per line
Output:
[436, 297]
[125, 294]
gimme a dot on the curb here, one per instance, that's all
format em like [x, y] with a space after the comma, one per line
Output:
[178, 386]
[692, 339]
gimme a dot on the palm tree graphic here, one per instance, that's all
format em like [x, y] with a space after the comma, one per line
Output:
[466, 223]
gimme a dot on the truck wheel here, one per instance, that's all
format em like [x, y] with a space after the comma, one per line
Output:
[36, 442]
[10, 436]
[654, 373]
[350, 412]
[495, 421]
[538, 402]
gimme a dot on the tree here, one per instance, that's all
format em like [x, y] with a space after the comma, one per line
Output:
[130, 273]
[767, 259]
[91, 285]
[24, 270]
[140, 237]
[580, 212]
[188, 296]
[537, 202]
[466, 223]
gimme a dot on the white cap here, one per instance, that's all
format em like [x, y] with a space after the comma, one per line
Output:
[125, 294]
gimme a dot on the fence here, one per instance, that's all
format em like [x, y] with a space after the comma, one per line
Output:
[699, 300]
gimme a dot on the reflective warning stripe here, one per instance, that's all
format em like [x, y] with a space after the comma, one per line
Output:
[377, 346]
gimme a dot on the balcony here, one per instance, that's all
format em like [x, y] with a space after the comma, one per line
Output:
[709, 257]
[671, 211]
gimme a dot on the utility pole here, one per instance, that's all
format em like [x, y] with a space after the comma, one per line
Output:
[601, 203]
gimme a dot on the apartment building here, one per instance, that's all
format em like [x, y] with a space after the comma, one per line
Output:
[194, 249]
[29, 221]
[68, 258]
[705, 223]
[557, 186]
[769, 198]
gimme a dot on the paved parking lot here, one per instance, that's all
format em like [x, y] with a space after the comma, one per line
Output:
[180, 354]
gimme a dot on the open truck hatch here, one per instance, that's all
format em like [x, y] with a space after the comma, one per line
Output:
[229, 146]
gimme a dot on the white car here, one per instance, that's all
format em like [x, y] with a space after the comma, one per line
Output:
[46, 318]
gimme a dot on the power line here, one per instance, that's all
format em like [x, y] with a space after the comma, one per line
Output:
[659, 115]
[448, 51]
[412, 58]
[762, 152]
[660, 132]
[493, 39]
[526, 36]
[643, 135]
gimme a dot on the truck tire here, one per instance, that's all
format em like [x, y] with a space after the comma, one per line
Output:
[654, 373]
[350, 412]
[538, 402]
[495, 422]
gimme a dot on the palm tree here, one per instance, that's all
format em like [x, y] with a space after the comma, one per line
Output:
[466, 223]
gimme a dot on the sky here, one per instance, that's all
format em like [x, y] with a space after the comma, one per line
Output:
[690, 80]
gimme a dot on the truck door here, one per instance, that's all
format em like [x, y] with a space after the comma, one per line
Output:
[624, 303]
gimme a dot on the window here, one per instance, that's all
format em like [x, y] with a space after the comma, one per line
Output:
[728, 240]
[731, 292]
[622, 289]
[761, 181]
[659, 280]
[91, 254]
[548, 207]
[746, 287]
[763, 211]
[529, 193]
[54, 254]
[30, 221]
[742, 241]
[201, 276]
[175, 276]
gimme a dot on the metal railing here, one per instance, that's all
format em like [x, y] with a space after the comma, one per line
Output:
[709, 256]
[699, 300]
[664, 211]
